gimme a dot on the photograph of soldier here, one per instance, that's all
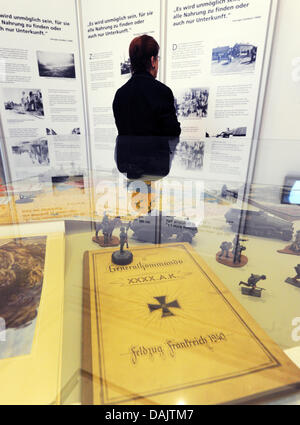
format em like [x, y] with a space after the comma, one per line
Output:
[189, 155]
[192, 103]
[24, 102]
[31, 153]
[234, 59]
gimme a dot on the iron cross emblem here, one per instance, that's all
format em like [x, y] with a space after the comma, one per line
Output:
[165, 307]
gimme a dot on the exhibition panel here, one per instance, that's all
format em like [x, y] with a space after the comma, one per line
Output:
[149, 217]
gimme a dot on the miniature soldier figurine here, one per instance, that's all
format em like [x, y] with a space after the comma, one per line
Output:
[239, 251]
[234, 258]
[107, 226]
[294, 248]
[225, 247]
[122, 257]
[296, 244]
[295, 281]
[102, 225]
[112, 224]
[252, 289]
[297, 268]
[123, 239]
[238, 248]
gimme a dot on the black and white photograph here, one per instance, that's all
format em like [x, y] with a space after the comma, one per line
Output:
[31, 153]
[125, 66]
[51, 132]
[192, 103]
[226, 133]
[189, 155]
[24, 102]
[56, 64]
[234, 59]
[55, 132]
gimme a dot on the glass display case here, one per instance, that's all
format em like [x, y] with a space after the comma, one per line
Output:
[214, 288]
[122, 286]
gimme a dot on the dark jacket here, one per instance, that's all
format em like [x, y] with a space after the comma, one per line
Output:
[146, 120]
[145, 107]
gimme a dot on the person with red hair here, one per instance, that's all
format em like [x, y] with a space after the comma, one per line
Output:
[144, 114]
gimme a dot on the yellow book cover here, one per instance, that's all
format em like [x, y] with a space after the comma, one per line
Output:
[165, 330]
[31, 313]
